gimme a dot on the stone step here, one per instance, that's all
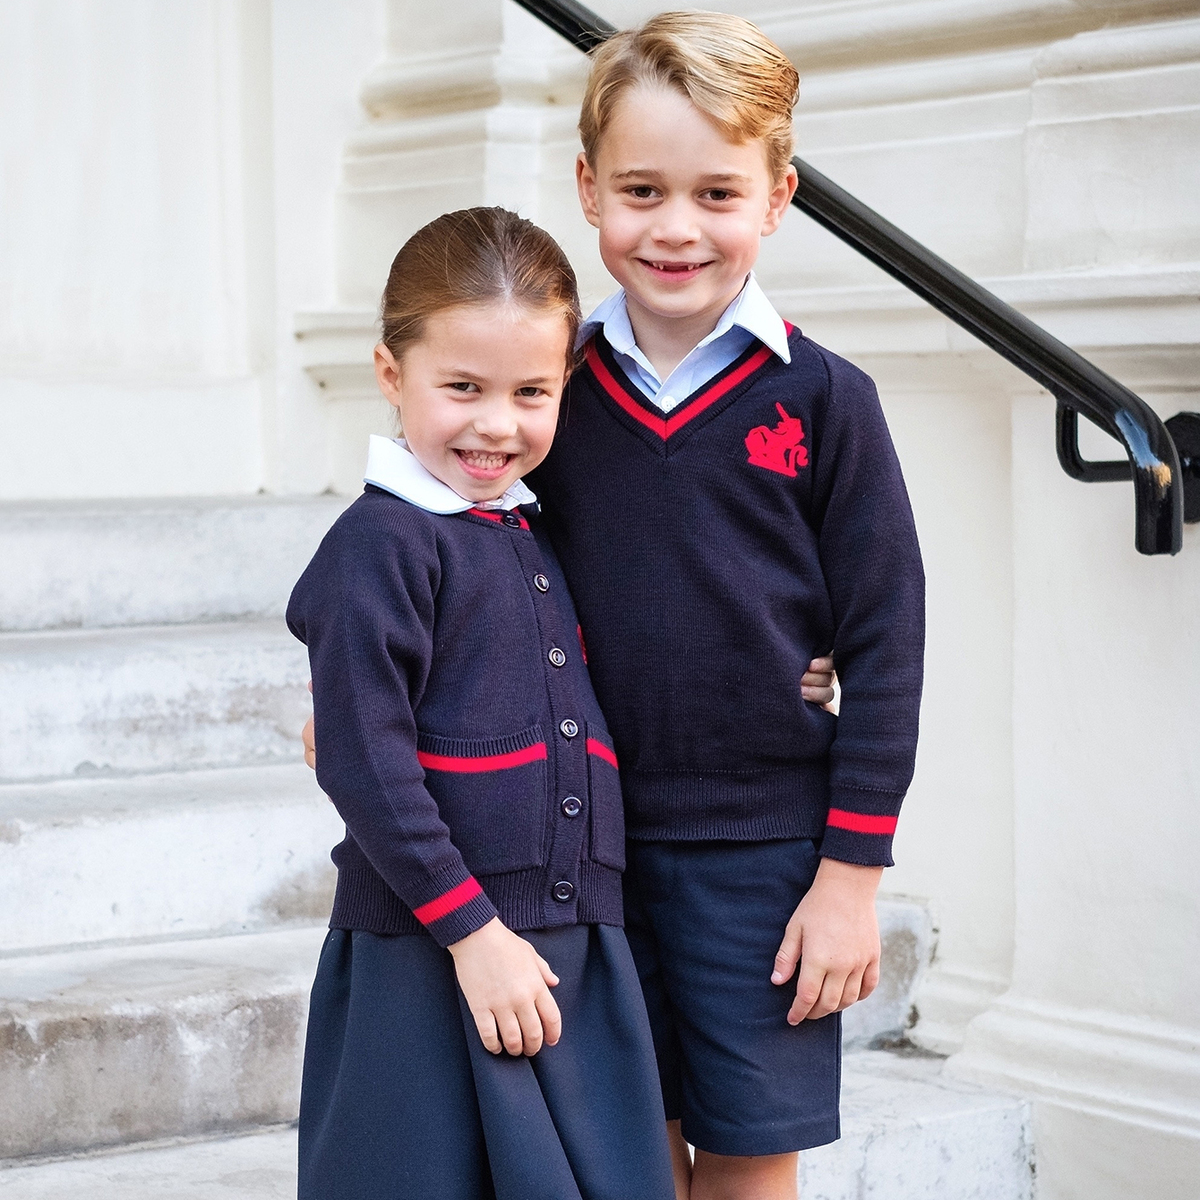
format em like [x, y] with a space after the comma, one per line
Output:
[139, 562]
[101, 1047]
[154, 856]
[911, 1133]
[907, 1134]
[255, 1166]
[153, 698]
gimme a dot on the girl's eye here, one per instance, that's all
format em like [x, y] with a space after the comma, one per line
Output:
[462, 385]
[529, 392]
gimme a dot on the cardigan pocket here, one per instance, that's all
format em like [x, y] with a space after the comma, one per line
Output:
[491, 792]
[607, 810]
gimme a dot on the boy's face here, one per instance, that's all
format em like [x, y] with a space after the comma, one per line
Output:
[680, 208]
[478, 393]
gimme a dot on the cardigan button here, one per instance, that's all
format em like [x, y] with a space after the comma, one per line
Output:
[572, 806]
[569, 728]
[511, 520]
[541, 583]
[563, 891]
[557, 657]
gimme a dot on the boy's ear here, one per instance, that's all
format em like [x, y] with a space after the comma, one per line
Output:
[585, 182]
[778, 200]
[387, 374]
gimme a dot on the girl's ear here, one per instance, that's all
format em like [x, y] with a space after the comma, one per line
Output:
[387, 374]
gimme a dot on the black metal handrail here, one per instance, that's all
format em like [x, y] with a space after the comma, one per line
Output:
[1154, 465]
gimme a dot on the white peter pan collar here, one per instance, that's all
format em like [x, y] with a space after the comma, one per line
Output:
[392, 466]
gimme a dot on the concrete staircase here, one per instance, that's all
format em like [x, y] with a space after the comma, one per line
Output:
[164, 856]
[164, 881]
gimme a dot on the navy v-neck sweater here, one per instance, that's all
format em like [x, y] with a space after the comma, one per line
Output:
[457, 731]
[712, 553]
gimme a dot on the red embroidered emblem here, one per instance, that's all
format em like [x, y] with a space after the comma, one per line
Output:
[778, 449]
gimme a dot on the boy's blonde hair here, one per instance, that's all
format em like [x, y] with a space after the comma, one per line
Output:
[728, 68]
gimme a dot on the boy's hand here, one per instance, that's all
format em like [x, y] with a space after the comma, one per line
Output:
[310, 743]
[817, 683]
[834, 935]
[507, 985]
[308, 736]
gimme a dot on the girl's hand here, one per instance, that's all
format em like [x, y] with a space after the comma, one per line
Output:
[818, 685]
[507, 985]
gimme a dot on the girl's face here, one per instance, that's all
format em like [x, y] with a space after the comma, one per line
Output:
[478, 393]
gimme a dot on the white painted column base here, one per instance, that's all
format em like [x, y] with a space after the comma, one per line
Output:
[1116, 1099]
[948, 1000]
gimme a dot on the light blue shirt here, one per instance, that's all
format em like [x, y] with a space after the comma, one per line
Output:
[750, 317]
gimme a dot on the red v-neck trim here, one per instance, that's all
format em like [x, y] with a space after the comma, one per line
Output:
[666, 426]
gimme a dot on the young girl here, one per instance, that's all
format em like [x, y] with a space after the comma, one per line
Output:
[477, 1027]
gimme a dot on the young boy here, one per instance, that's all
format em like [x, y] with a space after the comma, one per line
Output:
[726, 503]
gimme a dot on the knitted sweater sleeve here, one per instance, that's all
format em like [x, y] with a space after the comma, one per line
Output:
[365, 610]
[872, 567]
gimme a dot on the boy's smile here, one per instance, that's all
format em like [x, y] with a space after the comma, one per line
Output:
[681, 210]
[478, 393]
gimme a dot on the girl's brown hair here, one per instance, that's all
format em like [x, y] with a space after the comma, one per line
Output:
[473, 256]
[727, 67]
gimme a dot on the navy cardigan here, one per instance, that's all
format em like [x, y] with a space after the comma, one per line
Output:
[712, 552]
[456, 727]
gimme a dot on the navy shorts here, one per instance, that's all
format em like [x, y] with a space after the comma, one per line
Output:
[400, 1100]
[704, 922]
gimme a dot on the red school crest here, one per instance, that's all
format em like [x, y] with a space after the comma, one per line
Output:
[778, 449]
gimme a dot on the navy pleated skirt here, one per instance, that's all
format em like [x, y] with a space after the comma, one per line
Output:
[401, 1101]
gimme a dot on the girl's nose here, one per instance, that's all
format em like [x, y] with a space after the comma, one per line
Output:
[497, 421]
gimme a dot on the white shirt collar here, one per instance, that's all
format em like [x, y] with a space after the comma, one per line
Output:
[391, 465]
[750, 310]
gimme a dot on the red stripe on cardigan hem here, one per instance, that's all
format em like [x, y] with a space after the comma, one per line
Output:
[486, 762]
[600, 750]
[446, 903]
[839, 818]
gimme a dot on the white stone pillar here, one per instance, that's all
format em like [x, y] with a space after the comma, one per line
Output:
[1102, 1022]
[474, 103]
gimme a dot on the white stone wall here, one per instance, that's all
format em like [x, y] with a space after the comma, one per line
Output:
[200, 202]
[166, 184]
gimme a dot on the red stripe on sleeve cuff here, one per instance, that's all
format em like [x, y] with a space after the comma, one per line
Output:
[446, 903]
[839, 818]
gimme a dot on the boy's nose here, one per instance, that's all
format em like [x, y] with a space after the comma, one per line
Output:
[676, 225]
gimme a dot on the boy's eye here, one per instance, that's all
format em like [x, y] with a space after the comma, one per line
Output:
[642, 191]
[719, 194]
